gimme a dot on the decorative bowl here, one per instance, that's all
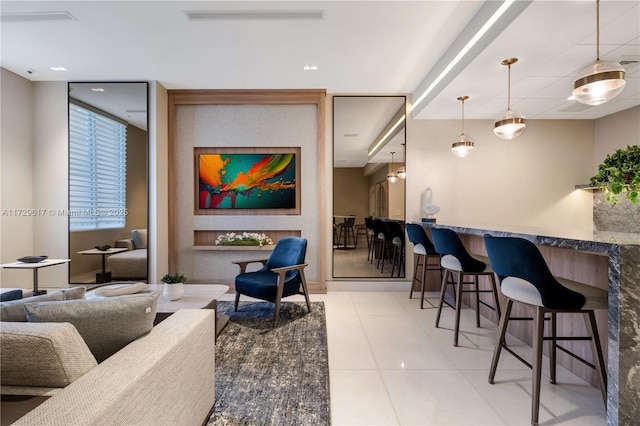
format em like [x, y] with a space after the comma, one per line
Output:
[32, 259]
[103, 248]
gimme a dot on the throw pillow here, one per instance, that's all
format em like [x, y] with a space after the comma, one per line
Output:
[14, 310]
[139, 238]
[10, 295]
[74, 293]
[43, 355]
[121, 289]
[106, 325]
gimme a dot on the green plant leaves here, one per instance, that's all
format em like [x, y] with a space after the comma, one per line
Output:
[618, 174]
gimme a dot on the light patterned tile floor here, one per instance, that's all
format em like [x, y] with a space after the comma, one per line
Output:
[389, 365]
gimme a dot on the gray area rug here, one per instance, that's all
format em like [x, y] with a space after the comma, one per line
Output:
[272, 376]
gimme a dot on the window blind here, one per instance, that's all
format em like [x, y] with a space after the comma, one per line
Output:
[97, 171]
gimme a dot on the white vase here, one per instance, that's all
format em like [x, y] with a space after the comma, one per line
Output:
[173, 291]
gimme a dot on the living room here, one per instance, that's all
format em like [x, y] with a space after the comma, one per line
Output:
[526, 182]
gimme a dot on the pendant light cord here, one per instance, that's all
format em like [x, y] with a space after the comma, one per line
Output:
[597, 30]
[509, 89]
[463, 116]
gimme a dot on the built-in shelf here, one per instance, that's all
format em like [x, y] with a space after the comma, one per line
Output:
[587, 187]
[233, 248]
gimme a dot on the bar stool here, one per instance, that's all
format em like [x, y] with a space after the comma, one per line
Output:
[396, 234]
[423, 253]
[371, 235]
[455, 258]
[525, 278]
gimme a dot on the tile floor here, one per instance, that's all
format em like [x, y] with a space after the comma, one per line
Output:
[389, 365]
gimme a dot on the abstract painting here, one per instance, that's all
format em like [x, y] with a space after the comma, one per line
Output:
[251, 180]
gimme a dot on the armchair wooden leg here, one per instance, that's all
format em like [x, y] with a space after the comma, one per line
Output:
[306, 291]
[237, 301]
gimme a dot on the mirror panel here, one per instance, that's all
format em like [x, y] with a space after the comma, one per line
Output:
[366, 130]
[125, 103]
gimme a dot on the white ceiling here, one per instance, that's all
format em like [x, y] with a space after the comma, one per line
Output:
[359, 47]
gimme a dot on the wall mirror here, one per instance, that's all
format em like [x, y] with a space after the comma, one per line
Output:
[108, 182]
[369, 141]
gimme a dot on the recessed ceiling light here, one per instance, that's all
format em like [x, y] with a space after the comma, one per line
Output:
[97, 89]
[310, 68]
[58, 68]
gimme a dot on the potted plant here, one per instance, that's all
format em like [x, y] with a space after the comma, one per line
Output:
[243, 239]
[619, 173]
[173, 286]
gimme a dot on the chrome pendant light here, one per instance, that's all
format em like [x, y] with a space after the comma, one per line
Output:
[402, 170]
[464, 145]
[599, 82]
[512, 124]
[392, 176]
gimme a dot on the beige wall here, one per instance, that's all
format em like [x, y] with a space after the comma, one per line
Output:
[350, 192]
[615, 132]
[527, 182]
[16, 175]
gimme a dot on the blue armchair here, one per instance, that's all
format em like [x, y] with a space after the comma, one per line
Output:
[281, 275]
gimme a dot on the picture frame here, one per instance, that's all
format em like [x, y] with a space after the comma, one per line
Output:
[247, 180]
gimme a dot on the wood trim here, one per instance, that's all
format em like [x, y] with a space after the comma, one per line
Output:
[249, 97]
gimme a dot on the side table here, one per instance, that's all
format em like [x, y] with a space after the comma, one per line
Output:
[35, 267]
[104, 276]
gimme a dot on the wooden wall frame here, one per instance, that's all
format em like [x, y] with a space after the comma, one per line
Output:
[249, 97]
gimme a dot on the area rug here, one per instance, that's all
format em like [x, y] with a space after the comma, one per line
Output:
[272, 376]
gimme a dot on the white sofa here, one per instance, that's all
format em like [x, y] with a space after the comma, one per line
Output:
[165, 377]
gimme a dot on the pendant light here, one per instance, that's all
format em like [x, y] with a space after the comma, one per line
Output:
[513, 123]
[463, 146]
[402, 170]
[599, 82]
[392, 176]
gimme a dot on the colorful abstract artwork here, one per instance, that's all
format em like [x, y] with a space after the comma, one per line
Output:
[247, 181]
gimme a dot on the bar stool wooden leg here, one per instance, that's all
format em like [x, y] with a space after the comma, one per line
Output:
[458, 306]
[502, 331]
[443, 291]
[475, 281]
[424, 277]
[538, 339]
[494, 289]
[553, 349]
[596, 348]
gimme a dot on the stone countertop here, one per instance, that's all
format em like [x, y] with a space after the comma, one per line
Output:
[575, 238]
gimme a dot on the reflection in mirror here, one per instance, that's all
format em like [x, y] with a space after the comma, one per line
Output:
[107, 182]
[368, 195]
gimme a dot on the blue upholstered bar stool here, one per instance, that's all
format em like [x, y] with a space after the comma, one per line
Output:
[424, 254]
[525, 278]
[456, 259]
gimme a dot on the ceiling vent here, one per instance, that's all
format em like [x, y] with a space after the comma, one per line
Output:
[254, 15]
[36, 17]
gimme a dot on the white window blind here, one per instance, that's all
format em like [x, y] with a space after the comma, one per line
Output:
[97, 171]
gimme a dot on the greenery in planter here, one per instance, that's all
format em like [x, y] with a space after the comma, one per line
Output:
[243, 239]
[173, 278]
[620, 173]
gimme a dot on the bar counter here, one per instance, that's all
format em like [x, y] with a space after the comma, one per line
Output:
[578, 254]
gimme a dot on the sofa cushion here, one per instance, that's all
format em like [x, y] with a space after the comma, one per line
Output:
[10, 295]
[106, 325]
[14, 310]
[42, 355]
[139, 238]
